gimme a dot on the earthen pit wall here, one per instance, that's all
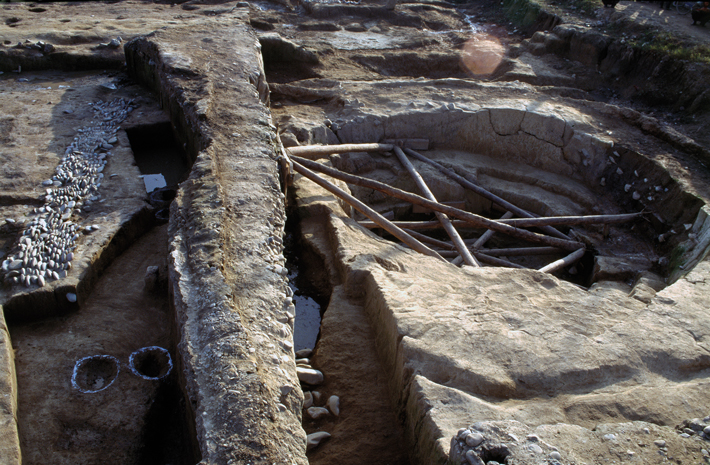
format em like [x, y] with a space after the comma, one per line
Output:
[557, 144]
[9, 435]
[246, 405]
[370, 271]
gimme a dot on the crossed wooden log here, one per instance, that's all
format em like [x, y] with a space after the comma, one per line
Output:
[553, 241]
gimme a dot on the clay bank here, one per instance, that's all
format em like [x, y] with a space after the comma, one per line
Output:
[510, 269]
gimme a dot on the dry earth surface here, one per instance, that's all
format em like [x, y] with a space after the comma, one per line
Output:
[558, 121]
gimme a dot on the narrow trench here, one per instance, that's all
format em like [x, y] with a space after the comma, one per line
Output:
[311, 288]
[336, 339]
[99, 385]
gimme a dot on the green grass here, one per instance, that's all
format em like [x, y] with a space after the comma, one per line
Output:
[587, 6]
[667, 44]
[524, 12]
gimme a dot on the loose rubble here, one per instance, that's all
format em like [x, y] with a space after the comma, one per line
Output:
[45, 250]
[501, 442]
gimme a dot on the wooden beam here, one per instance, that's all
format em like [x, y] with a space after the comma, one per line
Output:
[367, 211]
[488, 234]
[443, 219]
[497, 261]
[474, 220]
[570, 220]
[417, 224]
[483, 192]
[522, 251]
[525, 222]
[322, 151]
[431, 240]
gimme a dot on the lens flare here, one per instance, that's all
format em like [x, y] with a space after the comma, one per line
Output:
[482, 54]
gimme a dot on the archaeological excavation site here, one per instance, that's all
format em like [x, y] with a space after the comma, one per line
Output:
[370, 232]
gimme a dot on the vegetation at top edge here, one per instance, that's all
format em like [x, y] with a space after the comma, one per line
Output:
[668, 44]
[518, 9]
[524, 13]
[587, 7]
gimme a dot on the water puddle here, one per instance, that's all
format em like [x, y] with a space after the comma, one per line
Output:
[307, 323]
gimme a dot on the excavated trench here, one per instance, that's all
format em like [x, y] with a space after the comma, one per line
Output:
[95, 356]
[548, 162]
[99, 375]
[637, 258]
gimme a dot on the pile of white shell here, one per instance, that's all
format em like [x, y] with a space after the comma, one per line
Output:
[46, 248]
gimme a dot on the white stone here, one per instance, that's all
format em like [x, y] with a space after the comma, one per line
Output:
[307, 399]
[309, 375]
[313, 440]
[71, 297]
[317, 412]
[334, 405]
[474, 439]
[535, 448]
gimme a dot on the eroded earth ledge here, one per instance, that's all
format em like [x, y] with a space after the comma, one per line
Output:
[226, 228]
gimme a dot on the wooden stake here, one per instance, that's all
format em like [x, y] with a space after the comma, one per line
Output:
[431, 240]
[474, 220]
[488, 234]
[367, 211]
[443, 219]
[570, 220]
[562, 262]
[521, 251]
[483, 192]
[417, 224]
[497, 261]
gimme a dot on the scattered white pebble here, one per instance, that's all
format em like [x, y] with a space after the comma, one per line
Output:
[334, 405]
[313, 440]
[317, 412]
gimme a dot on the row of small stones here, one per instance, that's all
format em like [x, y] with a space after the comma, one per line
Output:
[273, 248]
[46, 248]
[312, 377]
